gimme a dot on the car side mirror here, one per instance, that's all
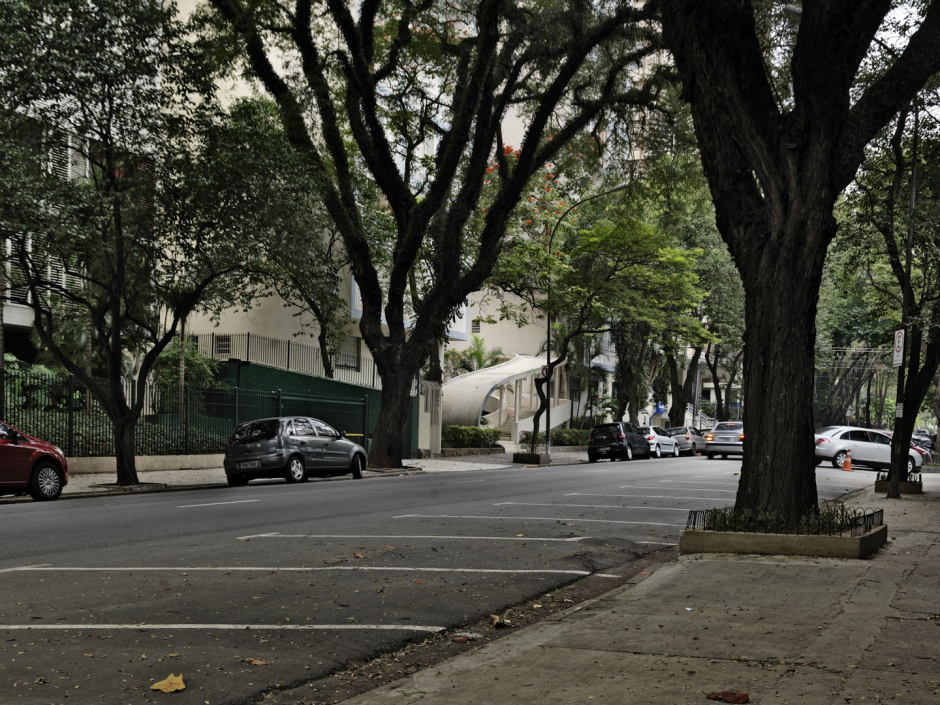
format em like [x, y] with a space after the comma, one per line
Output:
[342, 434]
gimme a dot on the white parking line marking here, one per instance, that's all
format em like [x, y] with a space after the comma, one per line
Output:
[466, 482]
[257, 536]
[591, 472]
[213, 504]
[689, 482]
[650, 496]
[593, 506]
[242, 627]
[320, 569]
[687, 489]
[435, 538]
[24, 567]
[659, 543]
[584, 521]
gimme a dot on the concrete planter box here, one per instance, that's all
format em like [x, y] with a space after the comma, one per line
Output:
[701, 541]
[532, 458]
[903, 487]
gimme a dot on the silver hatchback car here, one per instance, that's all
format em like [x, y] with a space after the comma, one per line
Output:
[292, 447]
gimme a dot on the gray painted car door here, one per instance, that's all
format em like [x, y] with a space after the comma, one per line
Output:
[335, 449]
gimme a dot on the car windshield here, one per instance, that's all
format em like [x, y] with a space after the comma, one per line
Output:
[255, 431]
[731, 426]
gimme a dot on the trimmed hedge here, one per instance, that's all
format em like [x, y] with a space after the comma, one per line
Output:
[560, 437]
[469, 437]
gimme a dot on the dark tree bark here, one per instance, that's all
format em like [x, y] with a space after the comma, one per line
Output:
[636, 384]
[775, 174]
[681, 392]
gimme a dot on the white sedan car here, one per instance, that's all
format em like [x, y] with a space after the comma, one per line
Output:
[869, 448]
[661, 443]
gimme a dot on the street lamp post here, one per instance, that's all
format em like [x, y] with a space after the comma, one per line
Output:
[549, 372]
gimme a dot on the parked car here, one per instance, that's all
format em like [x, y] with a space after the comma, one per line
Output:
[618, 441]
[292, 447]
[30, 465]
[659, 441]
[923, 438]
[690, 439]
[726, 438]
[869, 448]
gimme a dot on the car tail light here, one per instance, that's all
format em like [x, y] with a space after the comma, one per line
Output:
[688, 437]
[821, 440]
[622, 436]
[742, 437]
[709, 437]
[651, 438]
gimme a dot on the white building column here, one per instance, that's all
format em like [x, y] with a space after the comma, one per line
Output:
[517, 400]
[502, 405]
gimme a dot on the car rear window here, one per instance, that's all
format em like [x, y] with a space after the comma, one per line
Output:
[827, 430]
[254, 432]
[675, 431]
[644, 429]
[732, 426]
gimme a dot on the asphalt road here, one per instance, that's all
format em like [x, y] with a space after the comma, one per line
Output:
[104, 597]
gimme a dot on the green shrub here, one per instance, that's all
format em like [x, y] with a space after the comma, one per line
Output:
[469, 437]
[560, 437]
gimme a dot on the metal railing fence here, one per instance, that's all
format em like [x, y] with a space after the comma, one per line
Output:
[59, 409]
[828, 521]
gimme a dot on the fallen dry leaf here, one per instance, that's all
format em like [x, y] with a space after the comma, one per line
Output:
[567, 524]
[89, 655]
[242, 539]
[729, 697]
[420, 582]
[498, 622]
[358, 555]
[461, 639]
[390, 548]
[258, 662]
[170, 684]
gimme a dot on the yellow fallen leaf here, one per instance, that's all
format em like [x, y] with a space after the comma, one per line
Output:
[257, 662]
[170, 684]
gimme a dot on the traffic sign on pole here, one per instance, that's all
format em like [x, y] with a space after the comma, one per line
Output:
[898, 348]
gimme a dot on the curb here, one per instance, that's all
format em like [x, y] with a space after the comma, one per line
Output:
[159, 487]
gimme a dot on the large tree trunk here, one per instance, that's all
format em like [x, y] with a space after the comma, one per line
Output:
[779, 471]
[681, 392]
[636, 382]
[713, 366]
[398, 371]
[124, 450]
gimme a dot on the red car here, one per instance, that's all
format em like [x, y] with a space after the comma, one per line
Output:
[28, 464]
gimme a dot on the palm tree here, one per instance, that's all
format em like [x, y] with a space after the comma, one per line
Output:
[475, 357]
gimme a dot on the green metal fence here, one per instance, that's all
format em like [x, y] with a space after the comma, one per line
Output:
[60, 410]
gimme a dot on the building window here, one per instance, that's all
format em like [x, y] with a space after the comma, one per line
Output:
[223, 346]
[475, 326]
[348, 356]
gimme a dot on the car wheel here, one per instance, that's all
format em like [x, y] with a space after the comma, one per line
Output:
[658, 452]
[45, 483]
[911, 465]
[694, 450]
[592, 458]
[711, 456]
[818, 461]
[357, 467]
[839, 460]
[295, 470]
[675, 451]
[629, 455]
[237, 480]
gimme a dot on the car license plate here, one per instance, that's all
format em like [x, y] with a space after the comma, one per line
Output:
[727, 438]
[249, 464]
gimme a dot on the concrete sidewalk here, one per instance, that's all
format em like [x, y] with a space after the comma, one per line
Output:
[783, 630]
